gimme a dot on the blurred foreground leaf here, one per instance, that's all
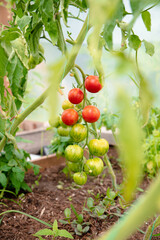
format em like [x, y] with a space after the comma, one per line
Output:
[130, 146]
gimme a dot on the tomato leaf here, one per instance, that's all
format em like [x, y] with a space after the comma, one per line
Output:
[110, 25]
[23, 22]
[146, 16]
[3, 179]
[2, 124]
[149, 48]
[20, 47]
[134, 42]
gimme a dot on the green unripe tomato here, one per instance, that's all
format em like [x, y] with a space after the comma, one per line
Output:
[74, 167]
[80, 178]
[78, 132]
[63, 131]
[31, 63]
[98, 147]
[54, 122]
[67, 104]
[94, 166]
[73, 153]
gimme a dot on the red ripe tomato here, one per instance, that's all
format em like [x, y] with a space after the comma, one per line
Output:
[92, 84]
[75, 95]
[90, 114]
[69, 117]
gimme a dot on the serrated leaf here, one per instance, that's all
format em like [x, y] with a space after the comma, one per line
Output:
[15, 182]
[33, 40]
[3, 179]
[12, 163]
[44, 232]
[20, 47]
[146, 19]
[134, 42]
[64, 233]
[149, 48]
[51, 28]
[24, 21]
[17, 75]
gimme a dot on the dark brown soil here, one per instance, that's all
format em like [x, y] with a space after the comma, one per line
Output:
[50, 198]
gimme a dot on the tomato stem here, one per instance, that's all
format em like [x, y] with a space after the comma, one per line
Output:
[111, 172]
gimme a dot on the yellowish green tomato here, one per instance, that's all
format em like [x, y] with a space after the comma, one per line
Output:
[94, 166]
[54, 122]
[73, 153]
[63, 131]
[80, 178]
[98, 147]
[74, 167]
[78, 132]
[67, 104]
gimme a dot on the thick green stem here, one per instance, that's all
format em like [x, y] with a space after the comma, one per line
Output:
[77, 78]
[61, 40]
[70, 64]
[111, 172]
[143, 209]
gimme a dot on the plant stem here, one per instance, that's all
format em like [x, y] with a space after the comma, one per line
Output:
[28, 215]
[62, 43]
[70, 63]
[81, 71]
[111, 172]
[76, 76]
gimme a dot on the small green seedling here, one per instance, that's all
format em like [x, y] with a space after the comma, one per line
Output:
[55, 232]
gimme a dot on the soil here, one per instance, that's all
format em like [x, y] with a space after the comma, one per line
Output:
[52, 196]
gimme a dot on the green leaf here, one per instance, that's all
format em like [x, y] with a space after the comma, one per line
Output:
[3, 179]
[130, 142]
[17, 75]
[12, 163]
[36, 169]
[9, 149]
[15, 182]
[55, 226]
[52, 30]
[2, 124]
[33, 40]
[134, 42]
[79, 227]
[3, 62]
[110, 25]
[20, 47]
[67, 213]
[64, 12]
[25, 187]
[23, 22]
[64, 233]
[149, 48]
[90, 202]
[135, 5]
[44, 232]
[18, 173]
[146, 19]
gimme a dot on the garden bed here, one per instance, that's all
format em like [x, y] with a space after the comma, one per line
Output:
[52, 196]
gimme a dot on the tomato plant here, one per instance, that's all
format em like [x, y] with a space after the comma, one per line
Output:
[74, 166]
[98, 147]
[80, 178]
[69, 117]
[90, 114]
[78, 132]
[92, 84]
[75, 95]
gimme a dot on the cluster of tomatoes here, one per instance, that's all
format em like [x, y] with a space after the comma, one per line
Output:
[70, 122]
